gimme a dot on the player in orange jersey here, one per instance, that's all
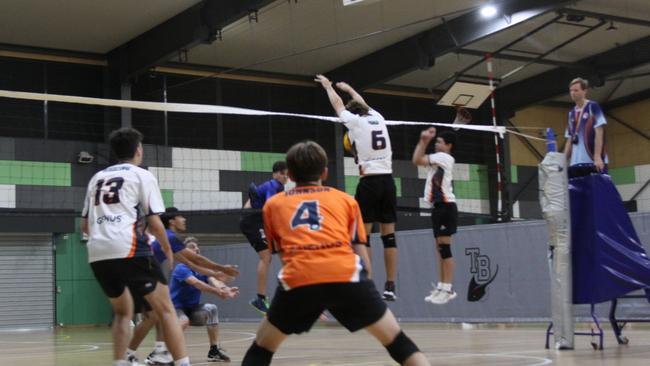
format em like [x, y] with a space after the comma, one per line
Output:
[319, 236]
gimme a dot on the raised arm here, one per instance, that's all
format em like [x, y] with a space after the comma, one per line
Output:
[335, 99]
[419, 157]
[353, 93]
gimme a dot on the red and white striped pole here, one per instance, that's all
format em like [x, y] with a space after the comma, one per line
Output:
[497, 146]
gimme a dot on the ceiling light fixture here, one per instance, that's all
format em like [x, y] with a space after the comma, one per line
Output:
[488, 11]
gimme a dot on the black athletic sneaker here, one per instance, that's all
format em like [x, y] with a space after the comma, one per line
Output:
[216, 355]
[261, 305]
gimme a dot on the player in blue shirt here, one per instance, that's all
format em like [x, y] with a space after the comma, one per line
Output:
[585, 147]
[185, 287]
[174, 223]
[252, 226]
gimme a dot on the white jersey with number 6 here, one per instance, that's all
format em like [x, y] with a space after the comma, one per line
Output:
[371, 143]
[117, 200]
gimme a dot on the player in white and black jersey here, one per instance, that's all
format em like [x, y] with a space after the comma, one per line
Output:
[121, 202]
[376, 192]
[438, 191]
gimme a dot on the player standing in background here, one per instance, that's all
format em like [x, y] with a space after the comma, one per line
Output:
[252, 226]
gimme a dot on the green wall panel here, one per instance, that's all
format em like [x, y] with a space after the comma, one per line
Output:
[471, 189]
[64, 259]
[35, 173]
[64, 301]
[168, 197]
[398, 186]
[90, 304]
[351, 182]
[259, 161]
[624, 175]
[79, 298]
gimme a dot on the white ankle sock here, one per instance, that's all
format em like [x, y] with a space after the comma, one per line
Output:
[120, 363]
[160, 346]
[185, 361]
[446, 287]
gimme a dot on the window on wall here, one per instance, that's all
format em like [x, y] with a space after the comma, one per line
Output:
[21, 118]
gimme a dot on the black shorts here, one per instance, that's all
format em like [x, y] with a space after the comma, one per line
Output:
[355, 305]
[140, 305]
[252, 226]
[139, 274]
[444, 218]
[377, 197]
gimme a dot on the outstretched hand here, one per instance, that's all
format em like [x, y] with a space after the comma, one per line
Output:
[322, 80]
[226, 293]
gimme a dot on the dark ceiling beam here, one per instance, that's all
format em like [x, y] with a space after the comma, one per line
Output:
[555, 82]
[199, 24]
[603, 16]
[505, 56]
[421, 50]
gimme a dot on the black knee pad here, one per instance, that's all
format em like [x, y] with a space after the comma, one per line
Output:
[389, 241]
[402, 348]
[445, 251]
[257, 356]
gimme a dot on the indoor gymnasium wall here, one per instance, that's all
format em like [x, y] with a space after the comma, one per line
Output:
[41, 175]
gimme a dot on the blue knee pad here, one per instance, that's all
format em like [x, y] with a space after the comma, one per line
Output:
[444, 250]
[389, 241]
[402, 348]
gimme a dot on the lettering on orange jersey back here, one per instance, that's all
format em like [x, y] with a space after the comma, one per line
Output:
[306, 190]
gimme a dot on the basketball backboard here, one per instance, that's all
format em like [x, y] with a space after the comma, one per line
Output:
[468, 95]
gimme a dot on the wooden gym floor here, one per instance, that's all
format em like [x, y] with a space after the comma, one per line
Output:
[328, 344]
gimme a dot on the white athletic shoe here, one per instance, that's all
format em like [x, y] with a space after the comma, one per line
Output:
[444, 297]
[434, 294]
[160, 358]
